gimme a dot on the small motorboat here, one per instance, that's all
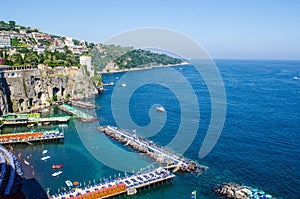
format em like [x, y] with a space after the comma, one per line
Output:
[55, 174]
[160, 109]
[59, 166]
[44, 152]
[75, 183]
[68, 183]
[123, 85]
[27, 163]
[30, 126]
[45, 158]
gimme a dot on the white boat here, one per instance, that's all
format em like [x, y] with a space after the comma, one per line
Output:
[62, 125]
[123, 85]
[160, 109]
[69, 183]
[27, 163]
[55, 174]
[45, 158]
[296, 78]
[44, 152]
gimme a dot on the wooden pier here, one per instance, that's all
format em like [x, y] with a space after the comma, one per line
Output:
[128, 185]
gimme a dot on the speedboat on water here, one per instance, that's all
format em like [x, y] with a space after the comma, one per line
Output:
[59, 166]
[55, 174]
[296, 78]
[160, 109]
[123, 85]
[44, 152]
[45, 158]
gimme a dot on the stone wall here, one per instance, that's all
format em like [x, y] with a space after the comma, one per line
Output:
[40, 87]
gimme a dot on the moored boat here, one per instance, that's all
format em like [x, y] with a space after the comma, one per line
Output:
[160, 109]
[75, 183]
[59, 166]
[68, 183]
[27, 163]
[30, 125]
[45, 158]
[55, 174]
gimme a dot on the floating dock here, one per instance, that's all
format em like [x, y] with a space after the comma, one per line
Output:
[128, 185]
[83, 104]
[78, 113]
[29, 137]
[159, 154]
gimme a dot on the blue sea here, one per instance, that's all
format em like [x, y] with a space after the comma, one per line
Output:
[258, 146]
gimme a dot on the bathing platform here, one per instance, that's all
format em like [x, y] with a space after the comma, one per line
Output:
[128, 185]
[14, 121]
[30, 137]
[78, 113]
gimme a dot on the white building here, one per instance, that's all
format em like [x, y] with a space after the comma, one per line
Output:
[39, 49]
[87, 61]
[4, 40]
[69, 41]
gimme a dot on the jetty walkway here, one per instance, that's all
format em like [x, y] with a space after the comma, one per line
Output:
[78, 113]
[128, 185]
[154, 151]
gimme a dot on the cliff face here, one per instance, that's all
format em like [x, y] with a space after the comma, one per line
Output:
[39, 87]
[5, 106]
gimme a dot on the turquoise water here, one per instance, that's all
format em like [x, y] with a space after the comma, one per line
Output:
[258, 147]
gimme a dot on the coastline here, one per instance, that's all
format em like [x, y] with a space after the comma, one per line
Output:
[144, 68]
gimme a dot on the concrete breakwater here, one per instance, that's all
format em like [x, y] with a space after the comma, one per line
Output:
[231, 190]
[159, 154]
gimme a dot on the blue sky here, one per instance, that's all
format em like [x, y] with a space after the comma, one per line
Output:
[254, 29]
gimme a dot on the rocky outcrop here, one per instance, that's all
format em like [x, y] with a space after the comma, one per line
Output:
[232, 190]
[32, 88]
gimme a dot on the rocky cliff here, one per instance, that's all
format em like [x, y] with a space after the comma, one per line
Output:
[5, 106]
[32, 88]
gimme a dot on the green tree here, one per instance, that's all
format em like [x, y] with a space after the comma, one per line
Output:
[14, 42]
[31, 58]
[12, 24]
[54, 98]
